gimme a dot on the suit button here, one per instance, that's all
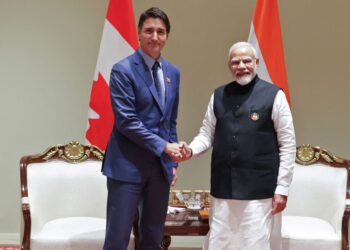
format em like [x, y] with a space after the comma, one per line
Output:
[162, 119]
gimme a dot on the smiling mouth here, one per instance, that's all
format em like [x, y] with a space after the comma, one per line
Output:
[154, 44]
[243, 74]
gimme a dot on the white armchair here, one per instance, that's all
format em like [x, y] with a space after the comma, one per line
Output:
[317, 213]
[64, 199]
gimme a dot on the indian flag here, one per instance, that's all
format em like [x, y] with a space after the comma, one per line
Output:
[265, 34]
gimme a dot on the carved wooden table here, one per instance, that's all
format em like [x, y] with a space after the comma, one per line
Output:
[185, 223]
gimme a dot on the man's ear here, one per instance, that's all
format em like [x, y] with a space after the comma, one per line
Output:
[229, 63]
[257, 61]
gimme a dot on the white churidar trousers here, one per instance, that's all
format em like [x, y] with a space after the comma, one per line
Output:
[243, 225]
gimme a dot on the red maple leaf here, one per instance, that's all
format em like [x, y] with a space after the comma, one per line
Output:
[100, 128]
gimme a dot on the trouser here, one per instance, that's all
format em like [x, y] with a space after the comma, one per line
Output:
[124, 198]
[243, 225]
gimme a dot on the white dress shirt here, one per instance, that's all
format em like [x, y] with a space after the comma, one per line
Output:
[283, 123]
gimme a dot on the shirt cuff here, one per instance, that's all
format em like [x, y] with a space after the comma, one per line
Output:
[193, 151]
[282, 190]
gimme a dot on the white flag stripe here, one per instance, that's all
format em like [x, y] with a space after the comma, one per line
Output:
[113, 48]
[92, 114]
[262, 69]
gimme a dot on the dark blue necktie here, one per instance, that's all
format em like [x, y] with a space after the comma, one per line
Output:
[157, 82]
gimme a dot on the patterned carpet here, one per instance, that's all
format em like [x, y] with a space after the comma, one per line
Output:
[171, 248]
[9, 248]
[184, 248]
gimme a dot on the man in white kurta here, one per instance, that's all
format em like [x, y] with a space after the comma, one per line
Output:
[245, 223]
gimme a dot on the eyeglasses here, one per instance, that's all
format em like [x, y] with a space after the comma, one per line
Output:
[245, 61]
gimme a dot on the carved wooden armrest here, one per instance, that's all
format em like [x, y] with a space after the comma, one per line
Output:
[345, 225]
[27, 223]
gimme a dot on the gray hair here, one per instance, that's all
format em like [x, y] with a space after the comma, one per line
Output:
[239, 45]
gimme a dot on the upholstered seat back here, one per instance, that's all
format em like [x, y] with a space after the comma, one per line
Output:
[318, 190]
[64, 198]
[58, 189]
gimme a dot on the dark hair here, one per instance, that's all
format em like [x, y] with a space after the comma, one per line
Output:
[154, 12]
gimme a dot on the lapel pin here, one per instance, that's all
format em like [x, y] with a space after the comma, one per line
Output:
[254, 116]
[168, 80]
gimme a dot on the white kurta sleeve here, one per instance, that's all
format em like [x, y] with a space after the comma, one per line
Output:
[203, 141]
[283, 123]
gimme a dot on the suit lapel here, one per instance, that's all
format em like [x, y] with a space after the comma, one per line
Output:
[145, 74]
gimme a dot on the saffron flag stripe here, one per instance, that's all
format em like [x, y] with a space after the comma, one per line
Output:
[267, 29]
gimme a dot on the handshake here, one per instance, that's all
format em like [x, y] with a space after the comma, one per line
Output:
[178, 151]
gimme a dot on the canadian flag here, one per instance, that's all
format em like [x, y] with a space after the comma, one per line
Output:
[265, 34]
[119, 39]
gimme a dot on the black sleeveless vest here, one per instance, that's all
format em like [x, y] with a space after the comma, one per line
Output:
[245, 156]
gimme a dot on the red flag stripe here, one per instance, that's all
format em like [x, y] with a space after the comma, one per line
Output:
[121, 15]
[99, 129]
[268, 32]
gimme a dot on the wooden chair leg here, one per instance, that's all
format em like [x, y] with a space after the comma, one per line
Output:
[166, 242]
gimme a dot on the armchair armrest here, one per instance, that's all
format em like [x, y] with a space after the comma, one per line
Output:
[27, 223]
[25, 201]
[345, 225]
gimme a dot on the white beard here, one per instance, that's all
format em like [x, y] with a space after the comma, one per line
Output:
[245, 79]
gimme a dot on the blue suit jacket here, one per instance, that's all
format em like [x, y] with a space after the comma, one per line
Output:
[141, 127]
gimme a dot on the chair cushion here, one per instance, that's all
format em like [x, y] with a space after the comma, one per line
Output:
[73, 233]
[58, 189]
[299, 232]
[318, 191]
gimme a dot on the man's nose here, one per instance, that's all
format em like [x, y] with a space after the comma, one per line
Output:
[154, 36]
[241, 64]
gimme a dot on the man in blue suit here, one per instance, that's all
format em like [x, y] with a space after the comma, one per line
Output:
[138, 161]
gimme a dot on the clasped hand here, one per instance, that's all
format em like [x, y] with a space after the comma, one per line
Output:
[178, 151]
